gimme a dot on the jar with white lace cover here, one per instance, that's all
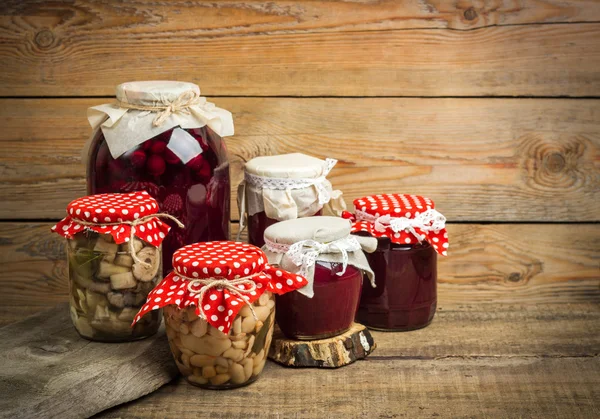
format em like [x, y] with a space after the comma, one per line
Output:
[285, 187]
[322, 250]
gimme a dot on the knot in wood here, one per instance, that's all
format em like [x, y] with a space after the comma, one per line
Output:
[555, 162]
[44, 38]
[514, 277]
[470, 13]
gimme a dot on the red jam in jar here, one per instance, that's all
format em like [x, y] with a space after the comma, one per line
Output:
[405, 297]
[410, 234]
[312, 246]
[336, 298]
[192, 185]
[284, 187]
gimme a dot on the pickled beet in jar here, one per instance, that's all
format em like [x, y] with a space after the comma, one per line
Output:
[322, 250]
[410, 234]
[219, 311]
[285, 187]
[114, 261]
[164, 138]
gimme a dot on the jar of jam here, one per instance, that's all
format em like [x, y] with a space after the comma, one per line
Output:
[410, 234]
[333, 262]
[219, 311]
[284, 187]
[114, 258]
[164, 138]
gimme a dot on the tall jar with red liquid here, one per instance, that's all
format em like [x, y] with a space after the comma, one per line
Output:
[410, 233]
[285, 187]
[164, 138]
[322, 250]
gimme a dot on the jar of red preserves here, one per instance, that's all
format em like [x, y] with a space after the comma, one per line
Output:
[164, 138]
[114, 258]
[285, 187]
[219, 311]
[322, 250]
[410, 234]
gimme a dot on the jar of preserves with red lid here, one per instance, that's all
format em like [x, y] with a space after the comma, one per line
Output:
[219, 311]
[285, 187]
[410, 234]
[114, 259]
[322, 250]
[164, 138]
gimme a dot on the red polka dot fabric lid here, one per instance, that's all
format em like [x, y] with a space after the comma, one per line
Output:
[404, 219]
[115, 214]
[219, 278]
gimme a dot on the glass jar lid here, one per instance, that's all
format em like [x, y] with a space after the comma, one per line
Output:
[219, 278]
[289, 166]
[404, 219]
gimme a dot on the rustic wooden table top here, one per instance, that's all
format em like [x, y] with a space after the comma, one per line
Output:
[472, 361]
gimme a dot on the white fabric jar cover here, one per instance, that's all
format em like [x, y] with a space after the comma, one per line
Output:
[145, 109]
[286, 187]
[295, 246]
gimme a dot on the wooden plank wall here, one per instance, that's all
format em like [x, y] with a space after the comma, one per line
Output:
[490, 108]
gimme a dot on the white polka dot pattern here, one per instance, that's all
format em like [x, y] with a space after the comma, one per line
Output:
[397, 206]
[219, 260]
[111, 213]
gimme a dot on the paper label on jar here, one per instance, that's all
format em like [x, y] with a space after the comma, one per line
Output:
[183, 145]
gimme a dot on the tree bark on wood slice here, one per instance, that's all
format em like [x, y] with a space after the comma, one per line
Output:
[333, 352]
[48, 370]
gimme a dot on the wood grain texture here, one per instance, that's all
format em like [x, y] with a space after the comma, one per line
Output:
[509, 263]
[479, 159]
[489, 387]
[48, 370]
[303, 49]
[338, 351]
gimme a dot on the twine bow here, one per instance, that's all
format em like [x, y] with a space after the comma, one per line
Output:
[183, 101]
[306, 252]
[430, 220]
[235, 286]
[133, 224]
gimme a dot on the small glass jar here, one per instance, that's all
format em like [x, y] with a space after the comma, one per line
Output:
[327, 306]
[410, 233]
[219, 311]
[181, 162]
[112, 272]
[284, 187]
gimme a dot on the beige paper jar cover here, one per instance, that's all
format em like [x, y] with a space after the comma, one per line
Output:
[287, 186]
[295, 245]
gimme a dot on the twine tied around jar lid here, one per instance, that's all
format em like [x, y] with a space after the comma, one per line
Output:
[429, 220]
[235, 286]
[133, 224]
[183, 101]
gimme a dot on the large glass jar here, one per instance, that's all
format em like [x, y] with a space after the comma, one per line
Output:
[316, 246]
[111, 271]
[181, 162]
[406, 296]
[219, 311]
[410, 233]
[284, 187]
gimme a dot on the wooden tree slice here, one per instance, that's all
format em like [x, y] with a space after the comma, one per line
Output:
[333, 352]
[48, 370]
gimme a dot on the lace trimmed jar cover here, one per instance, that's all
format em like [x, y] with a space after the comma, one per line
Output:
[410, 233]
[164, 138]
[332, 260]
[114, 258]
[285, 187]
[219, 311]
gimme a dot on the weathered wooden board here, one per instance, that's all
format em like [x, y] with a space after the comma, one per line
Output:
[479, 159]
[388, 388]
[47, 370]
[508, 263]
[306, 49]
[334, 352]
